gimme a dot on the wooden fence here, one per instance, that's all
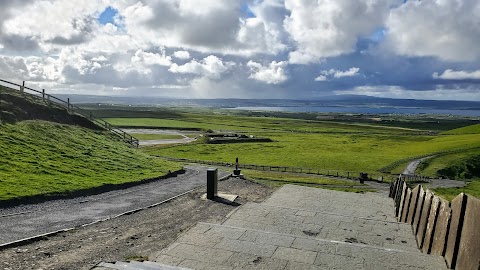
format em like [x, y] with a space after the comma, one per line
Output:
[331, 173]
[448, 229]
[72, 109]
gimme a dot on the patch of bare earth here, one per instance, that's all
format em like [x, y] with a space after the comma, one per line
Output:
[134, 236]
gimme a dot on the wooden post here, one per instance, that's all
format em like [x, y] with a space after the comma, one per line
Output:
[68, 104]
[43, 94]
[348, 175]
[22, 88]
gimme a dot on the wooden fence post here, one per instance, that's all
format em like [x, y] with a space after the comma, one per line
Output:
[22, 88]
[43, 94]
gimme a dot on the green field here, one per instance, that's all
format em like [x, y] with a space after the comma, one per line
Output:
[44, 158]
[472, 188]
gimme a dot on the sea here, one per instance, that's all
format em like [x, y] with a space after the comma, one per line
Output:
[366, 110]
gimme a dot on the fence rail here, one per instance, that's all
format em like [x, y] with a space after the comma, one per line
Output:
[331, 173]
[442, 228]
[72, 109]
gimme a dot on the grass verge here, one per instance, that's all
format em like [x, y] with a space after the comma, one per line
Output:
[44, 158]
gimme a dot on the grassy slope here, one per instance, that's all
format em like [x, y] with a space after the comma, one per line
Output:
[38, 157]
[433, 167]
[473, 129]
[472, 189]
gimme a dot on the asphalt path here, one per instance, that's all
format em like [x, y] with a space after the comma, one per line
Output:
[27, 221]
[412, 166]
[185, 138]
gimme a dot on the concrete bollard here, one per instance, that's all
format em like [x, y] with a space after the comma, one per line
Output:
[212, 181]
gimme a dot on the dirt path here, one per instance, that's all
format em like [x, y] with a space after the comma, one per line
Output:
[32, 220]
[138, 235]
[412, 167]
[184, 134]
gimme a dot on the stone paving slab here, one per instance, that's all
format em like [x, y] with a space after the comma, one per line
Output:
[303, 253]
[303, 228]
[368, 205]
[324, 225]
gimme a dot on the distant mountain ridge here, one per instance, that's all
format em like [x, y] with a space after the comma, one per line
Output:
[341, 101]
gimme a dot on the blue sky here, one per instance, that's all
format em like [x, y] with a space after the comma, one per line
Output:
[245, 49]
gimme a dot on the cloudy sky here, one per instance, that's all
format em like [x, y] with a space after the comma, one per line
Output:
[427, 49]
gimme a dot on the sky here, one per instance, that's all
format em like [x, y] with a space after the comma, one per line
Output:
[302, 49]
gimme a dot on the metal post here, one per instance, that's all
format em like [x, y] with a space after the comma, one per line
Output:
[212, 179]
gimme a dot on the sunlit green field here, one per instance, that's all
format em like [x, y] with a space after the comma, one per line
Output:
[308, 144]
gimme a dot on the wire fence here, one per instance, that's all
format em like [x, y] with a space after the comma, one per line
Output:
[72, 109]
[371, 176]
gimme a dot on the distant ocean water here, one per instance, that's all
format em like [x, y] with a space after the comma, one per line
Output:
[366, 110]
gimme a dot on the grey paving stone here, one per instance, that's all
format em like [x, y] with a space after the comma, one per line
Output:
[193, 264]
[208, 240]
[303, 266]
[198, 253]
[314, 245]
[267, 238]
[249, 261]
[166, 259]
[296, 255]
[258, 249]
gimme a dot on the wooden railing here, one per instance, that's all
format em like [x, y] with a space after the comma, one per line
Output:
[72, 109]
[442, 228]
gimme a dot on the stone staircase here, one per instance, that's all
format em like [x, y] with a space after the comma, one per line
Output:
[301, 228]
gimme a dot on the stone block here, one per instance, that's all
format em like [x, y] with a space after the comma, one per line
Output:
[432, 219]
[469, 250]
[413, 204]
[418, 210]
[422, 223]
[458, 212]
[441, 228]
[406, 205]
[296, 255]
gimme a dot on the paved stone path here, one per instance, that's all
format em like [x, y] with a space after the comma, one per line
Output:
[32, 220]
[302, 228]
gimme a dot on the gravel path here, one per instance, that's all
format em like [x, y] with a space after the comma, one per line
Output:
[185, 138]
[412, 167]
[31, 220]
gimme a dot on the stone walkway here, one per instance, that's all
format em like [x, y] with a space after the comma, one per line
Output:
[300, 228]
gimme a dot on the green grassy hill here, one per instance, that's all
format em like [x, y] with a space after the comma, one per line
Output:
[42, 158]
[473, 129]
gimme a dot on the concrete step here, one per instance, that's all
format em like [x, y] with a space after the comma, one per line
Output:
[324, 225]
[216, 246]
[134, 265]
[366, 205]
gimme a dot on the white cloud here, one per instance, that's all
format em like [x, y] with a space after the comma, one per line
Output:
[151, 59]
[458, 75]
[445, 29]
[182, 55]
[272, 74]
[325, 75]
[211, 66]
[327, 28]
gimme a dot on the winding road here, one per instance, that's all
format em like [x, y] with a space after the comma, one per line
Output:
[28, 221]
